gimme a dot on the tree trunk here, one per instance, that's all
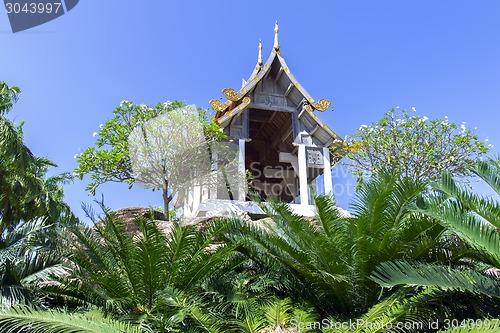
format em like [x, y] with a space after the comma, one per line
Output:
[166, 199]
[166, 202]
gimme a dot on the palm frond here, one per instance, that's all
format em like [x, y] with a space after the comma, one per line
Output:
[470, 227]
[403, 311]
[401, 272]
[29, 320]
[485, 207]
[489, 171]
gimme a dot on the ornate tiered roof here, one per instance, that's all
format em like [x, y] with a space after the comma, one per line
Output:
[287, 87]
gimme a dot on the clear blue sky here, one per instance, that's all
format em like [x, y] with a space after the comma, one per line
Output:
[442, 57]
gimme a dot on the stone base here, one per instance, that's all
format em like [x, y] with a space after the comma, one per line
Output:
[219, 207]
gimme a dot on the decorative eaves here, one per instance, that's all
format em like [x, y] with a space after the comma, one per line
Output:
[237, 101]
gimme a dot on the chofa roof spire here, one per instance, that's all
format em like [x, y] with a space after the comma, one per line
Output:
[276, 30]
[259, 60]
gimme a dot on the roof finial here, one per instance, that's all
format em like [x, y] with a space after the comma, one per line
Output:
[276, 30]
[259, 61]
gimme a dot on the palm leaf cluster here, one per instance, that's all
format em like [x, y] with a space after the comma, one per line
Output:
[26, 319]
[27, 261]
[472, 220]
[25, 190]
[143, 277]
[409, 255]
[333, 256]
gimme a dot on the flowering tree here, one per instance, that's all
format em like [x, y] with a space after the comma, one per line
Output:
[415, 146]
[170, 152]
[110, 160]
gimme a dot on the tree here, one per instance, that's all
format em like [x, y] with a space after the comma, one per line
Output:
[8, 96]
[414, 146]
[170, 152]
[31, 210]
[111, 160]
[25, 190]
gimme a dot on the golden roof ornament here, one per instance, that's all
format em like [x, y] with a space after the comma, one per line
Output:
[231, 94]
[322, 105]
[276, 30]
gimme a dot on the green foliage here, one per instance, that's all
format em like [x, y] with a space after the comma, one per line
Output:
[474, 218]
[334, 257]
[8, 96]
[404, 255]
[414, 146]
[30, 320]
[139, 144]
[433, 275]
[110, 160]
[471, 219]
[28, 260]
[398, 312]
[145, 276]
[25, 191]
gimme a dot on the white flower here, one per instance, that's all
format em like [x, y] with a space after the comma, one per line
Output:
[445, 117]
[397, 107]
[425, 118]
[490, 145]
[100, 125]
[486, 140]
[462, 127]
[94, 134]
[413, 109]
[76, 156]
[362, 127]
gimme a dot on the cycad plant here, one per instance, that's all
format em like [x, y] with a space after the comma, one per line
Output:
[468, 218]
[253, 299]
[28, 260]
[333, 256]
[152, 276]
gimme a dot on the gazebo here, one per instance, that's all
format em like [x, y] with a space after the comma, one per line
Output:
[280, 142]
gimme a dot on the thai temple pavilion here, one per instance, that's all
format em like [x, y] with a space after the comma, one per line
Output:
[280, 140]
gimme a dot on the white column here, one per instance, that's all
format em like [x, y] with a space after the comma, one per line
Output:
[304, 195]
[196, 198]
[214, 181]
[241, 170]
[327, 171]
[188, 203]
